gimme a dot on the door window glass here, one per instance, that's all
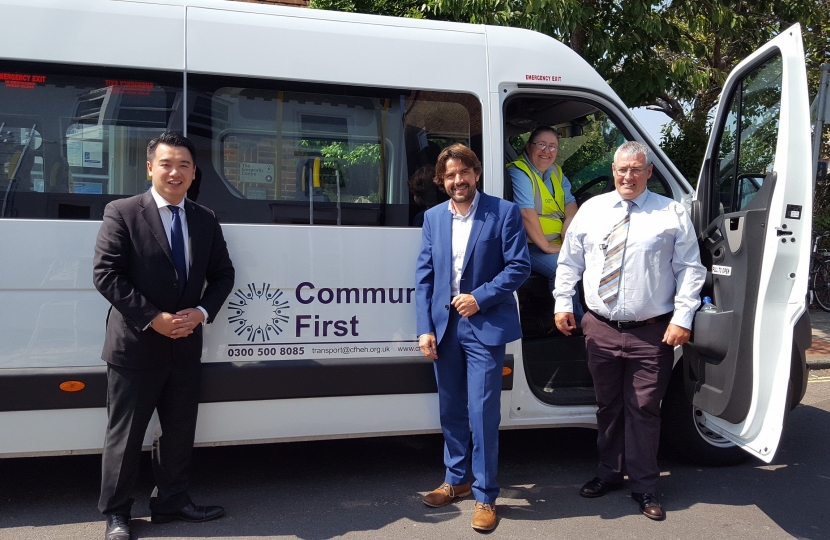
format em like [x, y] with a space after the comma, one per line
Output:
[73, 137]
[746, 150]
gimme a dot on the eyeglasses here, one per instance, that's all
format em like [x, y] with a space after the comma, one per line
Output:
[543, 146]
[622, 171]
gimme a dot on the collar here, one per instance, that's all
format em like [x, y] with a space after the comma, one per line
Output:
[533, 167]
[162, 202]
[638, 201]
[471, 211]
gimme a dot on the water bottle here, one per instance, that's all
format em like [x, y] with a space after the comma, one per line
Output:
[708, 306]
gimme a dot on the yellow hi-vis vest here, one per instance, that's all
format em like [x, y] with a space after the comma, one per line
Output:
[550, 207]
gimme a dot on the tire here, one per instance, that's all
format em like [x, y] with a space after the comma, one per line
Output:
[821, 285]
[684, 435]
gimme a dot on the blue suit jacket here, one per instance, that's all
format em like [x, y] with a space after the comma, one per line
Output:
[495, 265]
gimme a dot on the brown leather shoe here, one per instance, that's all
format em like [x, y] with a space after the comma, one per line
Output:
[445, 493]
[484, 518]
[649, 506]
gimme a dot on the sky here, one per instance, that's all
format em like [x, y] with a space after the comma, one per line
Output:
[652, 121]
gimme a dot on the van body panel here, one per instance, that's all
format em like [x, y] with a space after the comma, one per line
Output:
[101, 32]
[305, 49]
[529, 58]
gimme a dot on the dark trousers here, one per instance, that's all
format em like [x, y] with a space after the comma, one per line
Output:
[132, 396]
[469, 377]
[631, 371]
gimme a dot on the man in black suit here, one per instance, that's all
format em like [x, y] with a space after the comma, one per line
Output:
[161, 261]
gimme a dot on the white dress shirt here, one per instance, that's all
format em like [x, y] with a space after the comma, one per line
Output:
[166, 216]
[461, 228]
[661, 269]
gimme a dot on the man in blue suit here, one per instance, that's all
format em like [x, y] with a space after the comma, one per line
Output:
[473, 258]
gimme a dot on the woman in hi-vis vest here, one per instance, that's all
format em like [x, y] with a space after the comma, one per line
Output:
[543, 194]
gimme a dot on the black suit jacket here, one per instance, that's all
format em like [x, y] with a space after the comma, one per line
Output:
[133, 268]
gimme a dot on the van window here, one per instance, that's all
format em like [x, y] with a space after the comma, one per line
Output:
[72, 138]
[746, 150]
[283, 152]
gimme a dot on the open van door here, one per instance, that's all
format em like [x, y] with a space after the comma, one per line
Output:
[753, 214]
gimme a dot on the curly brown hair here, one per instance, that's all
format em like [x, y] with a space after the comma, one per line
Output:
[455, 151]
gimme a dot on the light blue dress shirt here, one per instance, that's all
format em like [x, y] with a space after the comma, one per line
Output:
[661, 269]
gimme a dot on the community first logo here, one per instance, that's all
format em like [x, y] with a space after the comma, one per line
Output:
[262, 312]
[258, 314]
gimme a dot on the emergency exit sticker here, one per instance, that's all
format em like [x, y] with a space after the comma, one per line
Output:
[721, 270]
[542, 78]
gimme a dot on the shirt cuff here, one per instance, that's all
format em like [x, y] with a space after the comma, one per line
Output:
[427, 334]
[683, 319]
[204, 311]
[564, 305]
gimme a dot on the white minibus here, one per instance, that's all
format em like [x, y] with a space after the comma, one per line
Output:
[314, 133]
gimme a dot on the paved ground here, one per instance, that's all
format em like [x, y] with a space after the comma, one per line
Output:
[818, 356]
[370, 489]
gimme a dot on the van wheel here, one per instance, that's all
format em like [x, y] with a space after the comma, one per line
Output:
[683, 433]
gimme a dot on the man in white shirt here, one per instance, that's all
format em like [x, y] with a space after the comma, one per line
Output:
[639, 260]
[473, 258]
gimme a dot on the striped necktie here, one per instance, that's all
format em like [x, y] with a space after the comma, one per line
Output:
[609, 283]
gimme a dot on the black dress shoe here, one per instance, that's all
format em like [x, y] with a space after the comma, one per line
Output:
[118, 527]
[598, 488]
[191, 512]
[649, 506]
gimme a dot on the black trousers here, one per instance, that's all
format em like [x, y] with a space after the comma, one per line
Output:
[631, 371]
[132, 396]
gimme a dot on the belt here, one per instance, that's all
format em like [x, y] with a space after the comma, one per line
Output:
[625, 325]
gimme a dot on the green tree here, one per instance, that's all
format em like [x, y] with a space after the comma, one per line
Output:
[400, 8]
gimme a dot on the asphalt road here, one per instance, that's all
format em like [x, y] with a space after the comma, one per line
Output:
[371, 488]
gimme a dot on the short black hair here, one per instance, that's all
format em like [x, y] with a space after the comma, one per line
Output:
[170, 138]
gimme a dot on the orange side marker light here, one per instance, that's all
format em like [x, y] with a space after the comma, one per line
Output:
[72, 386]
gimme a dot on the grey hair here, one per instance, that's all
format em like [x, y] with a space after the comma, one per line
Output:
[631, 149]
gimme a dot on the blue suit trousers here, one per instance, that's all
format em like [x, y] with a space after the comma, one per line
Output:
[469, 376]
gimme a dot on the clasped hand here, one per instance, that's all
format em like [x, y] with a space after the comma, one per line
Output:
[465, 305]
[179, 324]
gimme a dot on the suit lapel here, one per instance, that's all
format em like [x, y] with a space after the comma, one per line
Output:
[193, 224]
[444, 239]
[150, 213]
[478, 223]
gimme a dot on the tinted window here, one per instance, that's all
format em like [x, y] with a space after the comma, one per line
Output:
[73, 138]
[279, 152]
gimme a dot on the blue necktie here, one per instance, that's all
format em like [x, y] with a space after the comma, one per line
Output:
[177, 245]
